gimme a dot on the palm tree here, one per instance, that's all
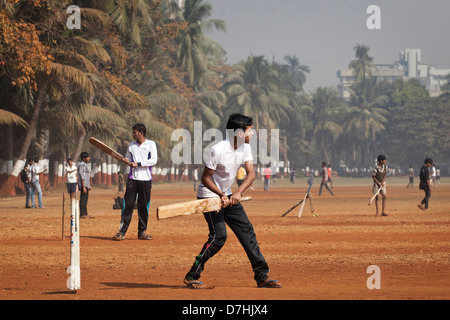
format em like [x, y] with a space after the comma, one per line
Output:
[9, 118]
[130, 17]
[363, 64]
[367, 115]
[296, 70]
[326, 106]
[195, 47]
[67, 72]
[252, 90]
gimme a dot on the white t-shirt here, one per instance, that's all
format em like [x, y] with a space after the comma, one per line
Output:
[195, 174]
[35, 170]
[146, 156]
[433, 171]
[71, 176]
[225, 161]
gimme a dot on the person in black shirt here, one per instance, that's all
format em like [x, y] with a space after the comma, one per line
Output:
[425, 183]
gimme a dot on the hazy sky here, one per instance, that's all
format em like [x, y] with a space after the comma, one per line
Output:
[322, 33]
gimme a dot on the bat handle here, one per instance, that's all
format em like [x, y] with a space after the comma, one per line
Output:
[291, 209]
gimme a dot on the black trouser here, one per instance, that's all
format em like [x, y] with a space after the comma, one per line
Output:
[236, 218]
[84, 196]
[427, 196]
[141, 190]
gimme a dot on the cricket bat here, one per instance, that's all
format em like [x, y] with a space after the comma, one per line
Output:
[292, 208]
[375, 195]
[103, 147]
[191, 207]
[304, 200]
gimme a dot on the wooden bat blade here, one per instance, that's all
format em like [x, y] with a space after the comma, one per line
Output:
[103, 147]
[191, 207]
[375, 195]
[302, 206]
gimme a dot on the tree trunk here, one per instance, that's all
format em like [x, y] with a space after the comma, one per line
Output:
[325, 151]
[285, 155]
[76, 155]
[8, 187]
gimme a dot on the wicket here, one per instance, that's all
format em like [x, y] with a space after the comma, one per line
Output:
[74, 281]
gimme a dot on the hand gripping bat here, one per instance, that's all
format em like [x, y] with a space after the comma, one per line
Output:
[191, 207]
[377, 193]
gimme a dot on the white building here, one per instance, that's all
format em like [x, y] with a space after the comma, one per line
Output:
[409, 66]
[436, 79]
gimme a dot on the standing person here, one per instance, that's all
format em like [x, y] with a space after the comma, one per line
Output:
[35, 186]
[195, 176]
[141, 157]
[292, 177]
[330, 171]
[84, 183]
[425, 184]
[26, 179]
[216, 181]
[438, 175]
[240, 176]
[310, 178]
[267, 174]
[379, 181]
[324, 182]
[71, 172]
[411, 176]
[433, 176]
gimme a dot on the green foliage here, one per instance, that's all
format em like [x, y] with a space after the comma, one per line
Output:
[150, 61]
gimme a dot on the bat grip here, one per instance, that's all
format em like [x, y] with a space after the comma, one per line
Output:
[291, 209]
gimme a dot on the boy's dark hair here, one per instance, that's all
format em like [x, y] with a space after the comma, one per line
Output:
[428, 160]
[139, 127]
[36, 159]
[324, 164]
[239, 121]
[84, 155]
[381, 157]
[69, 159]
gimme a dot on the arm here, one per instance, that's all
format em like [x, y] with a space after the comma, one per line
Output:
[153, 157]
[66, 171]
[374, 177]
[209, 183]
[428, 178]
[250, 177]
[82, 174]
[146, 163]
[127, 158]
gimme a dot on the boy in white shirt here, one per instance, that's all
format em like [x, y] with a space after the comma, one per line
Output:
[218, 176]
[71, 173]
[35, 185]
[141, 157]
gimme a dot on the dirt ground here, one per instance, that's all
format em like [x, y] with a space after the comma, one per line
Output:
[322, 257]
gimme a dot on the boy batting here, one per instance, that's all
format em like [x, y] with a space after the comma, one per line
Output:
[141, 157]
[218, 176]
[379, 183]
